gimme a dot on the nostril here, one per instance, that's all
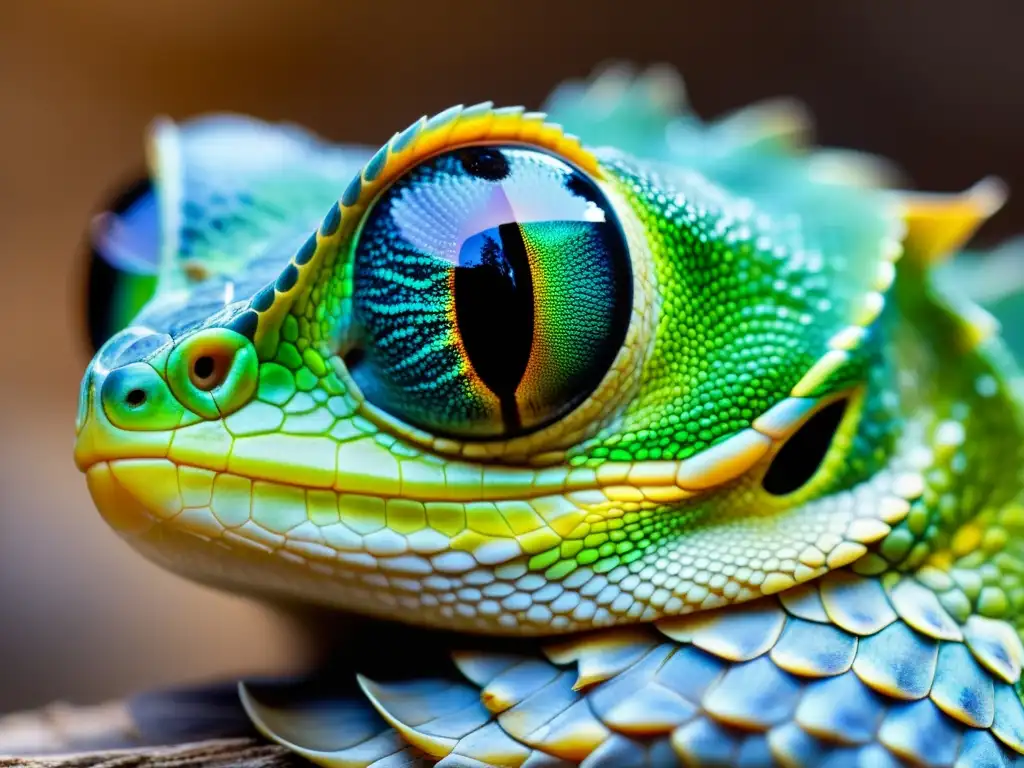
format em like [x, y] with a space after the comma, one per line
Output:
[135, 398]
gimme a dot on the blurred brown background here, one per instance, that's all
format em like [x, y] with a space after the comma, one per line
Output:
[934, 83]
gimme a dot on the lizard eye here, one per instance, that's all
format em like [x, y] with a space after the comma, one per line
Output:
[492, 290]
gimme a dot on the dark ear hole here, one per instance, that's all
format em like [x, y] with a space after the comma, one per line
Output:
[353, 358]
[802, 454]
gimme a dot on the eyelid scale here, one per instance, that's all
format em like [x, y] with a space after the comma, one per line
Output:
[327, 250]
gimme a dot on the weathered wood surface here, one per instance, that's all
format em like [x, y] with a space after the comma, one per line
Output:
[107, 736]
[222, 753]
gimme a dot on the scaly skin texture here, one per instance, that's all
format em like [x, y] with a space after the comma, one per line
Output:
[871, 611]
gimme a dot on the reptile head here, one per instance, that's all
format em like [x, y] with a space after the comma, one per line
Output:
[511, 384]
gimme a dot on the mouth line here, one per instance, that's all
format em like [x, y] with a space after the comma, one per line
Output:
[654, 481]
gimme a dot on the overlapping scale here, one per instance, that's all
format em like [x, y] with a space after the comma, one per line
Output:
[1008, 724]
[919, 731]
[573, 734]
[539, 708]
[792, 745]
[690, 672]
[980, 750]
[619, 751]
[704, 742]
[754, 752]
[996, 646]
[516, 683]
[962, 689]
[488, 746]
[480, 667]
[840, 709]
[897, 662]
[742, 633]
[804, 601]
[814, 650]
[855, 604]
[845, 672]
[601, 656]
[637, 704]
[432, 715]
[755, 694]
[920, 608]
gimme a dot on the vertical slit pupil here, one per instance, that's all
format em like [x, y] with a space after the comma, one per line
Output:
[800, 457]
[494, 311]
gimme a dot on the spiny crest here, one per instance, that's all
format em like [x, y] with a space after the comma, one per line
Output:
[299, 289]
[940, 224]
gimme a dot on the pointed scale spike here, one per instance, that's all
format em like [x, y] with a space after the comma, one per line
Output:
[488, 746]
[741, 633]
[781, 122]
[540, 707]
[572, 734]
[938, 225]
[337, 733]
[664, 87]
[432, 715]
[517, 683]
[481, 667]
[600, 656]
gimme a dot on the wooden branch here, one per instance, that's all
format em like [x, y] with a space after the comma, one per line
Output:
[218, 753]
[110, 736]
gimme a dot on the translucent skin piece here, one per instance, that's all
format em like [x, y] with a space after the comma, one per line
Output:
[401, 385]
